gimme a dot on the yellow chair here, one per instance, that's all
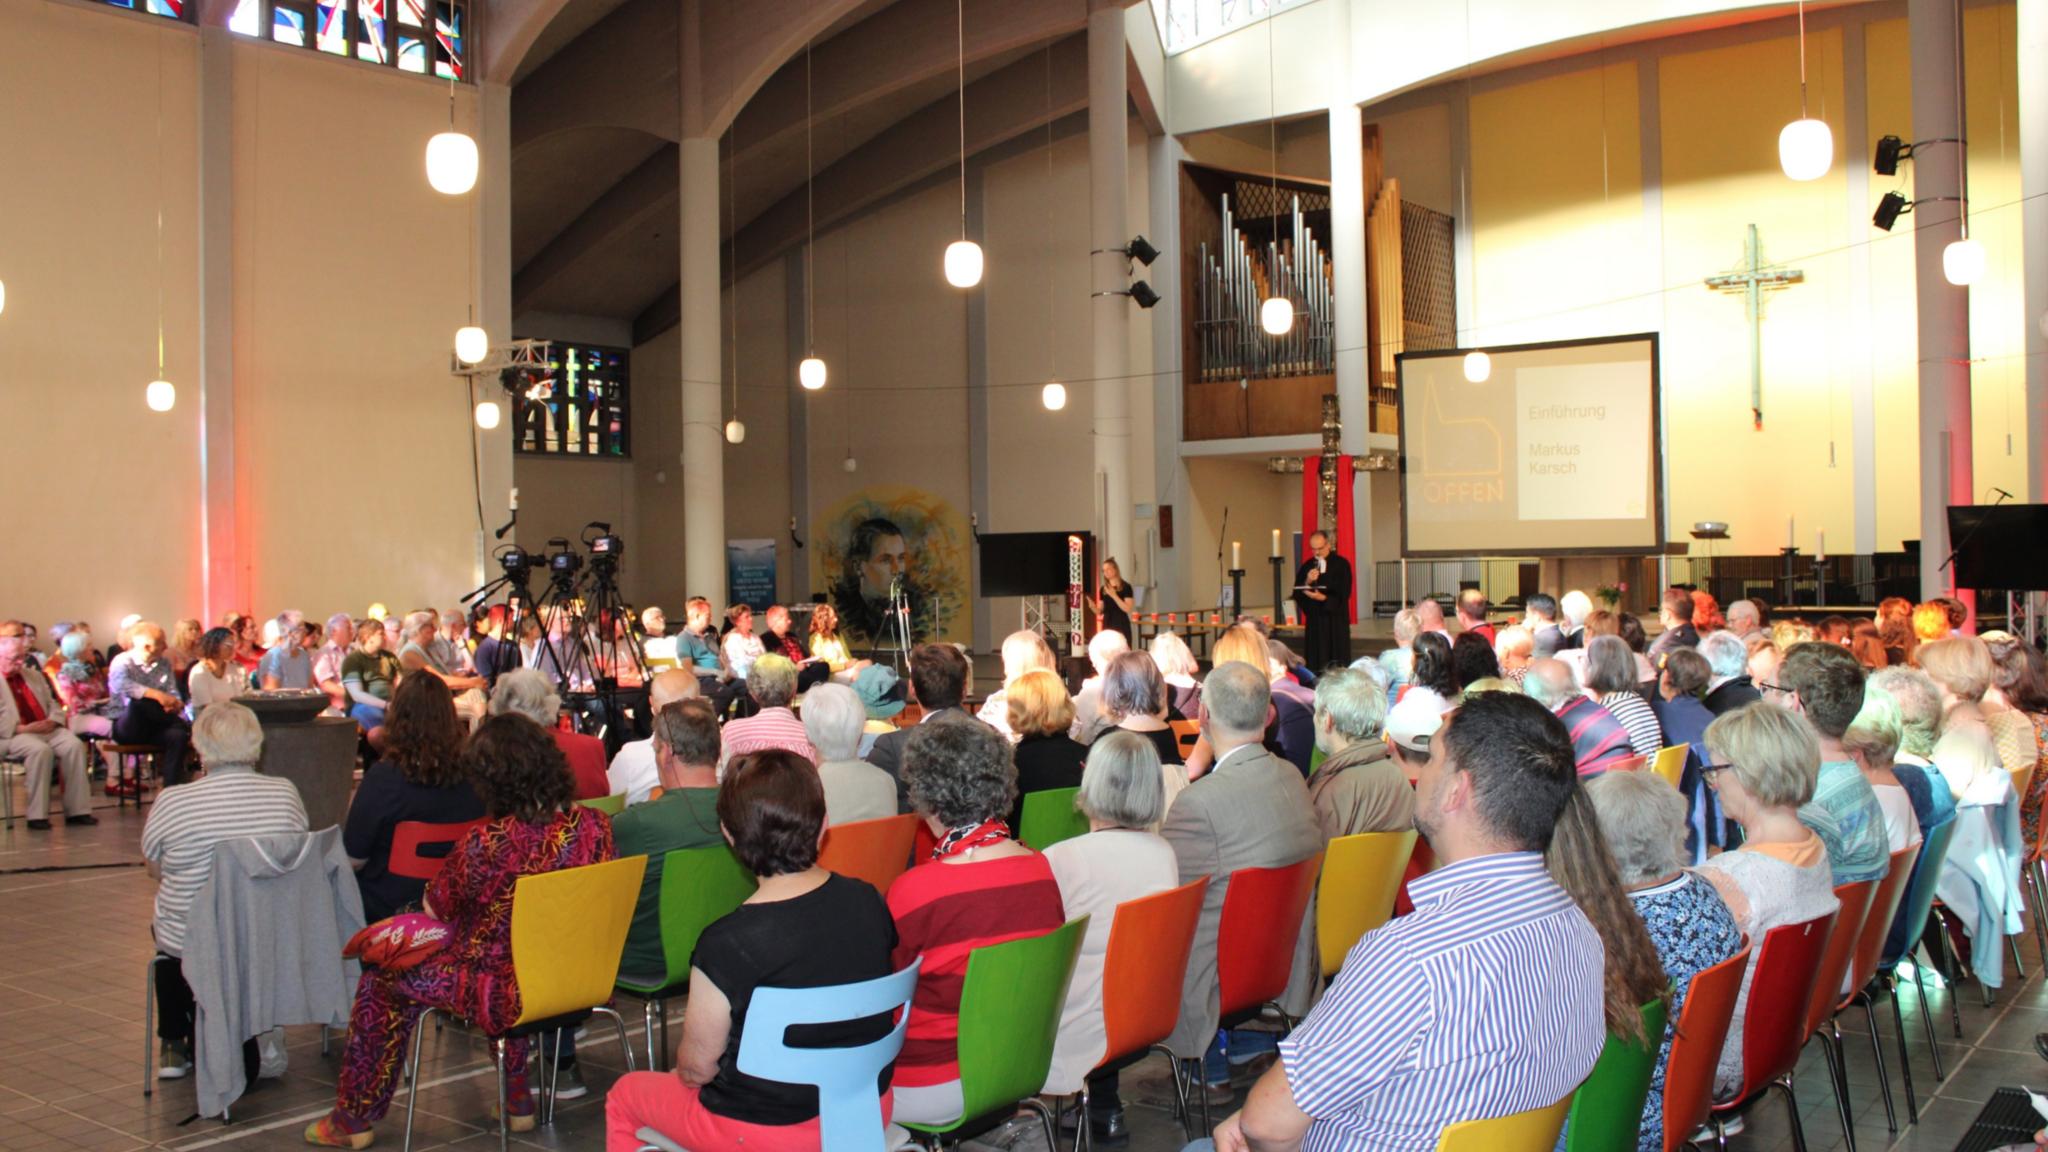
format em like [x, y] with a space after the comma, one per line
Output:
[1361, 876]
[568, 932]
[1532, 1131]
[1670, 763]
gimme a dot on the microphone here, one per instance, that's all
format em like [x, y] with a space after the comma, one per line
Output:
[974, 526]
[2004, 494]
[1222, 534]
[792, 533]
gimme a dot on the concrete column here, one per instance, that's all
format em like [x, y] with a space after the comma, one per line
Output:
[1944, 309]
[1347, 289]
[703, 375]
[222, 586]
[1172, 576]
[492, 220]
[1108, 158]
[2033, 85]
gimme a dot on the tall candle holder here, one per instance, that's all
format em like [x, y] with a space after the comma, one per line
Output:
[1279, 613]
[1237, 593]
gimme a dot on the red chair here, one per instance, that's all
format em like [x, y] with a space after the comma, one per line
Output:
[1781, 986]
[1696, 1047]
[1142, 974]
[1827, 984]
[411, 835]
[876, 851]
[1262, 914]
[1877, 926]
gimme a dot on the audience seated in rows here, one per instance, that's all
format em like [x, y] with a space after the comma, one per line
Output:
[771, 683]
[1399, 660]
[529, 693]
[1872, 742]
[1358, 787]
[534, 827]
[1611, 680]
[1089, 718]
[143, 690]
[784, 643]
[368, 674]
[418, 776]
[1134, 698]
[1472, 658]
[1289, 731]
[1513, 648]
[939, 677]
[1967, 753]
[232, 801]
[1728, 659]
[1471, 609]
[1643, 821]
[633, 772]
[1039, 715]
[1683, 718]
[1182, 674]
[1823, 683]
[1675, 614]
[1497, 971]
[35, 729]
[1598, 739]
[981, 887]
[1022, 651]
[855, 790]
[286, 664]
[685, 815]
[216, 676]
[425, 650]
[740, 645]
[828, 646]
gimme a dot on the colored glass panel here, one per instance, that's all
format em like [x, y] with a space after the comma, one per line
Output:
[370, 24]
[448, 40]
[581, 408]
[175, 9]
[413, 12]
[247, 14]
[412, 54]
[334, 28]
[287, 26]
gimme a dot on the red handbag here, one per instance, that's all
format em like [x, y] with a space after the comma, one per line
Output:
[398, 942]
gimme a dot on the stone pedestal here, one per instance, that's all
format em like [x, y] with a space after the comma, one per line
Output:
[316, 753]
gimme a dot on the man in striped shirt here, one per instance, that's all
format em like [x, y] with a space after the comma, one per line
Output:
[772, 684]
[1598, 739]
[1484, 1001]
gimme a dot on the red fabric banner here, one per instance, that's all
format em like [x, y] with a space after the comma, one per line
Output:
[1347, 524]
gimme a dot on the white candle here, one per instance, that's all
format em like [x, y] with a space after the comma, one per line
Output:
[1276, 541]
[1790, 541]
[1236, 554]
[1820, 544]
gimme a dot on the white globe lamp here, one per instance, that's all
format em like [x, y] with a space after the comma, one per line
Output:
[487, 415]
[1962, 262]
[1478, 366]
[810, 372]
[451, 163]
[735, 432]
[1054, 396]
[3, 295]
[1806, 149]
[850, 464]
[472, 344]
[963, 263]
[160, 395]
[1276, 315]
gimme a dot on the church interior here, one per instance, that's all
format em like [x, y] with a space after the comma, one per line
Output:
[559, 340]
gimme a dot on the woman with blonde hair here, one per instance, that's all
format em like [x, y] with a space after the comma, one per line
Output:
[1039, 711]
[2011, 731]
[1931, 622]
[1290, 725]
[183, 646]
[826, 644]
[1967, 753]
[1183, 675]
[1023, 651]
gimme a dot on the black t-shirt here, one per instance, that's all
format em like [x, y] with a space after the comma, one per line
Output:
[385, 798]
[1168, 744]
[838, 933]
[1114, 618]
[1045, 762]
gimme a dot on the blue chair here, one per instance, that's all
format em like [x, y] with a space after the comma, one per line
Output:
[849, 1109]
[1908, 925]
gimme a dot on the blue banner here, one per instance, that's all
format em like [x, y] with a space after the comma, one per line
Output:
[750, 572]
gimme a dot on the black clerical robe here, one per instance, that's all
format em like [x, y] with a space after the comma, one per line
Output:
[1327, 622]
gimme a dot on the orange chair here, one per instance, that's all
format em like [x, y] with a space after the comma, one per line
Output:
[1627, 764]
[1262, 913]
[876, 851]
[1142, 973]
[411, 835]
[1781, 988]
[1186, 733]
[1696, 1047]
[1827, 984]
[1877, 925]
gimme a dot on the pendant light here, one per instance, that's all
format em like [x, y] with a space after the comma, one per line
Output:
[3, 295]
[452, 160]
[161, 394]
[1962, 259]
[1276, 314]
[487, 415]
[811, 371]
[846, 331]
[1478, 366]
[963, 256]
[735, 431]
[1806, 146]
[1054, 394]
[472, 343]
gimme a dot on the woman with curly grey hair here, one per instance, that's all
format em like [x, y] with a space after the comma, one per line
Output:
[983, 888]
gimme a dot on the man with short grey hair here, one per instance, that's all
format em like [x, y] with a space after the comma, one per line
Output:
[1513, 648]
[1251, 811]
[854, 789]
[341, 633]
[34, 729]
[771, 682]
[1356, 788]
[1743, 619]
[1598, 739]
[1727, 657]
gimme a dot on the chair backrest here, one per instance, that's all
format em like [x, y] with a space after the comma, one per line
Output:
[1532, 1131]
[1187, 733]
[1010, 1008]
[876, 851]
[699, 886]
[1877, 923]
[849, 1105]
[1670, 763]
[1774, 1023]
[1841, 949]
[1696, 1047]
[1262, 913]
[1050, 817]
[1918, 901]
[1607, 1110]
[609, 805]
[568, 930]
[409, 836]
[1361, 875]
[1149, 943]
[1625, 764]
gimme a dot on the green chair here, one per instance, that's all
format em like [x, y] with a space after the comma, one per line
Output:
[1050, 817]
[609, 805]
[1010, 1009]
[1607, 1110]
[699, 886]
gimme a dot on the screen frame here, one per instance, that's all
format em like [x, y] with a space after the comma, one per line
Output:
[1657, 548]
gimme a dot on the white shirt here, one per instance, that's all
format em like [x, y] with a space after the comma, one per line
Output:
[741, 652]
[1901, 827]
[633, 771]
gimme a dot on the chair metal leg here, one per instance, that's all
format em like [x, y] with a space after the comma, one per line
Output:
[1792, 1110]
[647, 1014]
[504, 1109]
[1955, 967]
[1180, 1091]
[1884, 1079]
[2012, 942]
[1201, 1088]
[1927, 1018]
[1084, 1132]
[1905, 1058]
[149, 1026]
[619, 1023]
[1052, 1131]
[1838, 1079]
[412, 1075]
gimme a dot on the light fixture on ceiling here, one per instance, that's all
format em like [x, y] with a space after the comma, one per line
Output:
[1806, 146]
[451, 156]
[735, 432]
[161, 394]
[1053, 396]
[850, 464]
[810, 372]
[1962, 259]
[1478, 367]
[487, 415]
[472, 344]
[963, 256]
[1276, 314]
[3, 295]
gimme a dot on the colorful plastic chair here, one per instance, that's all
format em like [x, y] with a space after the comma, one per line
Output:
[876, 851]
[1626, 764]
[1834, 968]
[1010, 1009]
[1142, 973]
[1186, 733]
[1670, 762]
[409, 836]
[1532, 1131]
[1781, 987]
[698, 887]
[609, 805]
[1914, 907]
[1696, 1047]
[1050, 817]
[1607, 1110]
[568, 929]
[1884, 905]
[1262, 911]
[1361, 875]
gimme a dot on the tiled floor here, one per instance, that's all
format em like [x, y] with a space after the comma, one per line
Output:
[74, 914]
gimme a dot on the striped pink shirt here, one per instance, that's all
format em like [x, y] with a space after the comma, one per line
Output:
[768, 728]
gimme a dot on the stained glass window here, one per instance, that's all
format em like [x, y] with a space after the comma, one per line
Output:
[580, 405]
[391, 32]
[175, 9]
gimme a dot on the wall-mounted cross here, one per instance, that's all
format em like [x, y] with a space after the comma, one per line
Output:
[1753, 278]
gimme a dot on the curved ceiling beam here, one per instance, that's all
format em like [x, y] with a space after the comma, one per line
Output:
[509, 31]
[731, 47]
[621, 73]
[647, 193]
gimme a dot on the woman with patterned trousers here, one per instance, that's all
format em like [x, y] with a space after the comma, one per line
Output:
[533, 826]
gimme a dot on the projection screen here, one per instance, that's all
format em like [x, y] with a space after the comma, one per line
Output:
[1556, 453]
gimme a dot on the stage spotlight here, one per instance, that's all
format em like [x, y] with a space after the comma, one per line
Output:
[1889, 210]
[1143, 294]
[1889, 150]
[1141, 251]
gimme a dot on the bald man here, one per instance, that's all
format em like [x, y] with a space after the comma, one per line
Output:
[634, 771]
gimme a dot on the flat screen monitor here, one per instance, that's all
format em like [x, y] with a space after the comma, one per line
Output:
[1031, 563]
